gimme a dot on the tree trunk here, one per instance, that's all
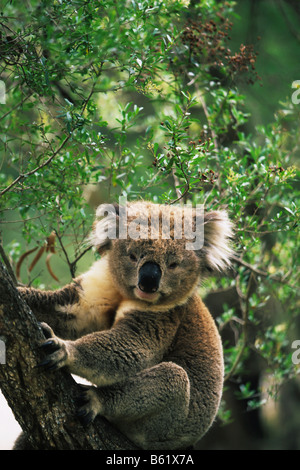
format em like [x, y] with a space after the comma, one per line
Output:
[44, 403]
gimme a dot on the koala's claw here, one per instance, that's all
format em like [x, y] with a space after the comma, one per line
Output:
[47, 330]
[55, 349]
[85, 417]
[48, 364]
[88, 403]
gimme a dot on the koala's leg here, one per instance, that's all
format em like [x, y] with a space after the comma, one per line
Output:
[150, 408]
[45, 305]
[21, 443]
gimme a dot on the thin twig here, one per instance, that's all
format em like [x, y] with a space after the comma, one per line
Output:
[81, 255]
[29, 173]
[16, 106]
[176, 184]
[187, 185]
[245, 313]
[70, 264]
[213, 134]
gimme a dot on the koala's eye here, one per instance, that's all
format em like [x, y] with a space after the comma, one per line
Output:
[173, 265]
[133, 257]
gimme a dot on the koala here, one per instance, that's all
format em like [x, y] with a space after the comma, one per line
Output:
[135, 327]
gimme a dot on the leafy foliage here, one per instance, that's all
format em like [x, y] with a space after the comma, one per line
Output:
[142, 99]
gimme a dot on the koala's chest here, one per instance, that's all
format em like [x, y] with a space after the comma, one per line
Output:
[98, 300]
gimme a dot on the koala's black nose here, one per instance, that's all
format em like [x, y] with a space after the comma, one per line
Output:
[149, 277]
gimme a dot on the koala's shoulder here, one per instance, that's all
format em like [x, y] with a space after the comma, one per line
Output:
[200, 326]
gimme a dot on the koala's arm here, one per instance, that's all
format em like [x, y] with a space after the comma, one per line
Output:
[104, 358]
[44, 305]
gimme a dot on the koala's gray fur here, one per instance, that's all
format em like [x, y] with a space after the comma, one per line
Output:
[155, 357]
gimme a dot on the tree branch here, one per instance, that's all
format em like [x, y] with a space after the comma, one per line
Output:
[44, 403]
[7, 264]
[262, 273]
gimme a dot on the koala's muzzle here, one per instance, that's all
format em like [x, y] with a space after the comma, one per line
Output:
[149, 277]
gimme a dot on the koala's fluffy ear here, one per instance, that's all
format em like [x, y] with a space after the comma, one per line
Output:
[216, 251]
[105, 227]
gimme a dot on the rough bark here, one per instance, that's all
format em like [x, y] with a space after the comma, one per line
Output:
[44, 403]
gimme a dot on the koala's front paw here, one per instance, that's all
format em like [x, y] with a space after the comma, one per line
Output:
[89, 404]
[55, 348]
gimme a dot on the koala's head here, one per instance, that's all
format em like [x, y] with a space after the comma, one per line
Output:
[159, 253]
